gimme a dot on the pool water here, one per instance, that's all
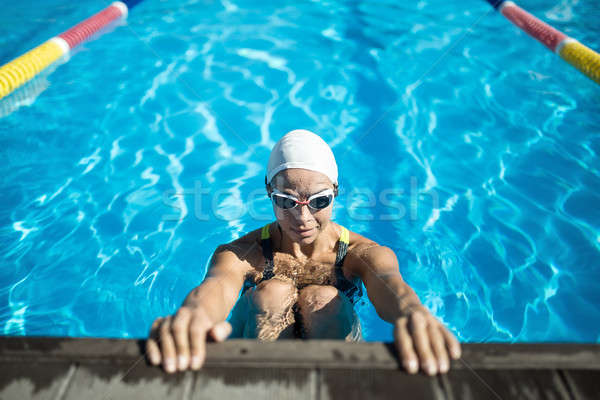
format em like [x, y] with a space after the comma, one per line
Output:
[463, 144]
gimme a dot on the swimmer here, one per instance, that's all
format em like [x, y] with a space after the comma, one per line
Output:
[300, 276]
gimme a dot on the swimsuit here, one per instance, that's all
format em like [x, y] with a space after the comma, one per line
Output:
[352, 289]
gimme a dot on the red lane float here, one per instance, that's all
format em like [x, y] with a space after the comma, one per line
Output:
[540, 30]
[87, 28]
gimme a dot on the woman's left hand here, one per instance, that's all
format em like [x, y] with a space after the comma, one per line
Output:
[423, 342]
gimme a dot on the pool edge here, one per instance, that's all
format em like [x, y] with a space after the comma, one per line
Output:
[57, 367]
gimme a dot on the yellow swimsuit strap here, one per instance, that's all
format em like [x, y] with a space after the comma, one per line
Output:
[267, 251]
[345, 235]
[265, 234]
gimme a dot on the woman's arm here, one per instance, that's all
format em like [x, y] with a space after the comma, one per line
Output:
[178, 342]
[420, 338]
[386, 289]
[219, 291]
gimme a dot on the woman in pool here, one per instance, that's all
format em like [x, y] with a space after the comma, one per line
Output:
[300, 276]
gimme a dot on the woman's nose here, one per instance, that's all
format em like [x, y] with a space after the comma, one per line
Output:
[302, 213]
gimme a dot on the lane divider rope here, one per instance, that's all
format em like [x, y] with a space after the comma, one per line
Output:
[24, 68]
[586, 60]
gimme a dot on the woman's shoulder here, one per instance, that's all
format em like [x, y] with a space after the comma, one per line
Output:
[361, 246]
[246, 248]
[358, 241]
[363, 249]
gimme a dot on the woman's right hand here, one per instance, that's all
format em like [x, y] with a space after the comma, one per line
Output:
[178, 342]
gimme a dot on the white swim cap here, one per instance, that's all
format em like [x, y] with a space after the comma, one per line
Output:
[302, 149]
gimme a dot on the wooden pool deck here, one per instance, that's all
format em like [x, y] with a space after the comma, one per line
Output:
[67, 368]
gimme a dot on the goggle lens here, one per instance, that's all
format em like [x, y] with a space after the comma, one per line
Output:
[320, 202]
[287, 202]
[283, 202]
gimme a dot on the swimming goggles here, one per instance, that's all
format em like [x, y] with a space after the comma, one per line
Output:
[317, 201]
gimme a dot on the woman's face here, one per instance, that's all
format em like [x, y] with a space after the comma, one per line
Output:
[302, 223]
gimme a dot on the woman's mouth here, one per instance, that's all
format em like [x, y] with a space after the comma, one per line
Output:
[304, 232]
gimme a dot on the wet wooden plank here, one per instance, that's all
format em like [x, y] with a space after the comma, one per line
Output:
[34, 380]
[312, 353]
[234, 383]
[530, 356]
[354, 384]
[69, 368]
[583, 384]
[506, 384]
[125, 381]
[246, 353]
[64, 348]
[303, 354]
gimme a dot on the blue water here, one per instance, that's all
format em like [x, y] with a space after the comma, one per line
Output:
[463, 144]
